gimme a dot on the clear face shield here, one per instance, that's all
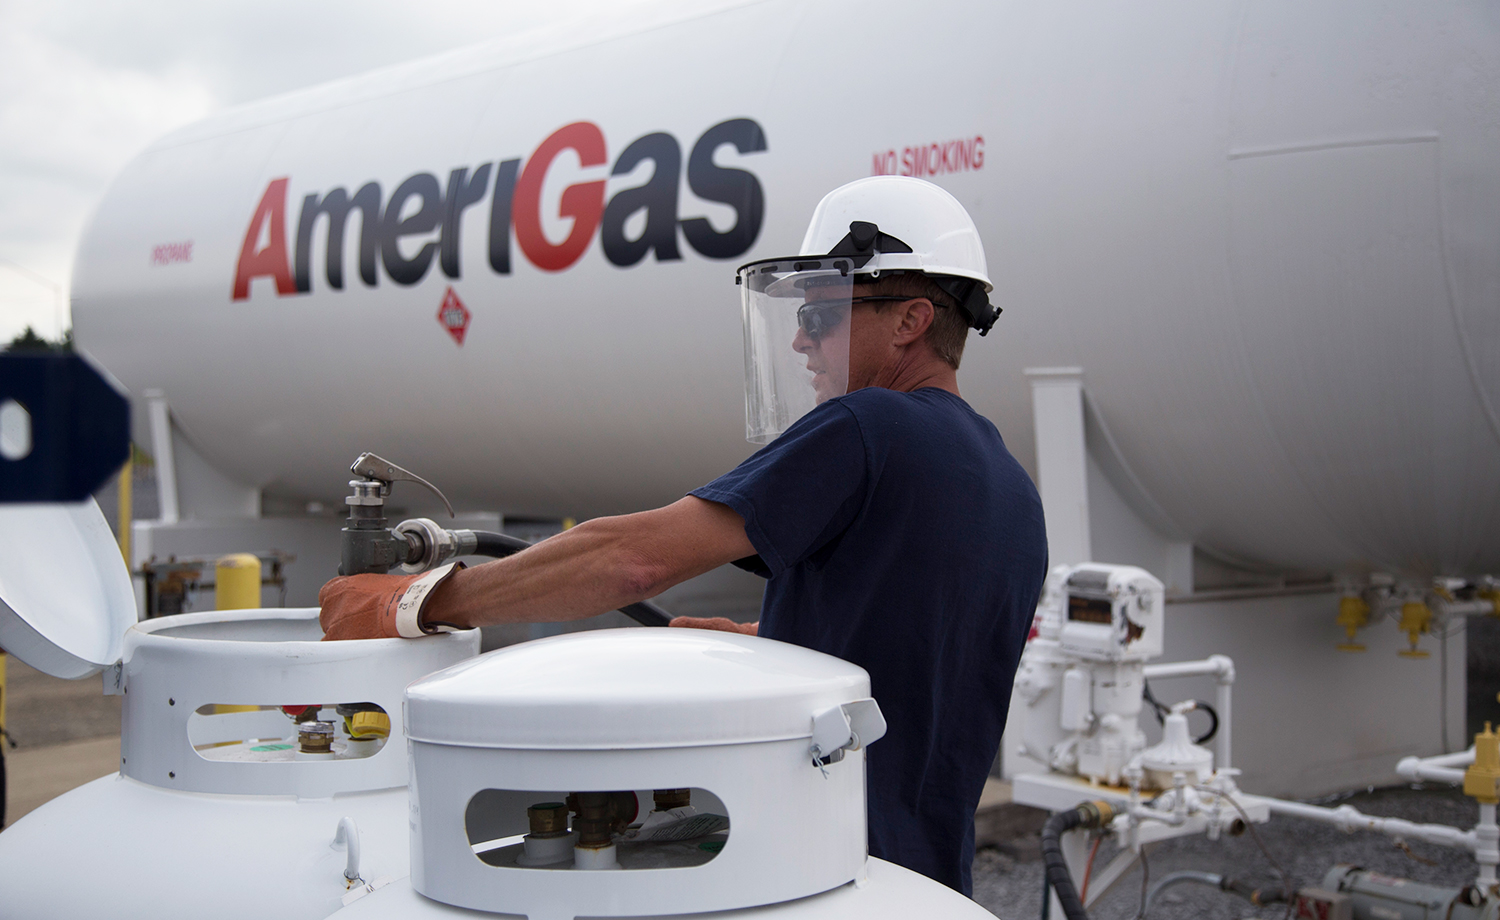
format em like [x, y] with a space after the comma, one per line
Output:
[796, 315]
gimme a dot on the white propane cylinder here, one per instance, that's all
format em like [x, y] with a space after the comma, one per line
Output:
[217, 809]
[637, 716]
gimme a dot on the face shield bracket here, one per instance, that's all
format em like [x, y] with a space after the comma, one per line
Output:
[866, 239]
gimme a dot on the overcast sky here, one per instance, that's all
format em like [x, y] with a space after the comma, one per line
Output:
[86, 84]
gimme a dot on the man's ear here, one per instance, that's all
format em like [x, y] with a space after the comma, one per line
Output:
[916, 318]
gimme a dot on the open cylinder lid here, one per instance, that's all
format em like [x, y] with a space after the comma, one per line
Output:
[65, 594]
[631, 689]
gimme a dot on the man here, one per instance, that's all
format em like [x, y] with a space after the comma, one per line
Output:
[894, 528]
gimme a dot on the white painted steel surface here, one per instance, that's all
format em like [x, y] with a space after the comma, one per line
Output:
[176, 830]
[632, 689]
[65, 595]
[888, 892]
[639, 709]
[1265, 231]
[152, 853]
[176, 664]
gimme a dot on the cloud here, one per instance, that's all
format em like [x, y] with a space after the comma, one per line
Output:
[67, 125]
[85, 85]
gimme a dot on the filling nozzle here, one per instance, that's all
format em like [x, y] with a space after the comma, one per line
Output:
[369, 546]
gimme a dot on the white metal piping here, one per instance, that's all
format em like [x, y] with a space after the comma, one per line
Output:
[1440, 769]
[1221, 668]
[1349, 819]
[347, 836]
[1487, 850]
[1475, 608]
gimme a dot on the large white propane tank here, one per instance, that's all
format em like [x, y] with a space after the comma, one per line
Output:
[223, 805]
[704, 774]
[1266, 231]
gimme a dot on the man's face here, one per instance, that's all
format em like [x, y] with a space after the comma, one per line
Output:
[854, 351]
[827, 351]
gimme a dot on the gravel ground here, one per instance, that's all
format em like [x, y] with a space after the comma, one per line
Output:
[43, 710]
[1008, 880]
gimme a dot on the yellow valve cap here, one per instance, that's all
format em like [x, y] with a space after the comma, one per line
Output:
[1481, 779]
[1415, 617]
[1354, 612]
[366, 725]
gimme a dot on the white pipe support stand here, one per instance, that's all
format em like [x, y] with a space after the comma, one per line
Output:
[347, 837]
[1487, 847]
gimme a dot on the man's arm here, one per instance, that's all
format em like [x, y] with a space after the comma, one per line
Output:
[598, 566]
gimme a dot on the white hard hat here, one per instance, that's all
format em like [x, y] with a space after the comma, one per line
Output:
[796, 309]
[906, 224]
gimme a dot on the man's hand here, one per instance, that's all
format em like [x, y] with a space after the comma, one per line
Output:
[378, 606]
[722, 624]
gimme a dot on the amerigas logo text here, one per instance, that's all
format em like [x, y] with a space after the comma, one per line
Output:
[419, 223]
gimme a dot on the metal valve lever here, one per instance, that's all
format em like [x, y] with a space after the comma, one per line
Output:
[385, 472]
[368, 545]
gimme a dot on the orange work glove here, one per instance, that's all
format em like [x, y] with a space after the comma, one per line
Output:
[380, 606]
[722, 624]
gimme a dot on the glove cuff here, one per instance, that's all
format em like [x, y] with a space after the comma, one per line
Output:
[409, 604]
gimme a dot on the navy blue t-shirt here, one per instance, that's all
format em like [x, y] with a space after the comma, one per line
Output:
[898, 533]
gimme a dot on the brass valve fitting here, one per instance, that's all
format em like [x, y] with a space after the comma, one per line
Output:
[1416, 619]
[1482, 777]
[315, 737]
[601, 815]
[548, 819]
[1354, 614]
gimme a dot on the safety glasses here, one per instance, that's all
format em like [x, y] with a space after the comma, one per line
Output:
[818, 319]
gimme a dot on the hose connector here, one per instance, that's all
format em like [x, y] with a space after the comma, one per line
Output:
[1088, 816]
[431, 545]
[1097, 813]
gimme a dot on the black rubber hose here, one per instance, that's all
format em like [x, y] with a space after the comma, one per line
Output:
[497, 545]
[1213, 725]
[1160, 710]
[1057, 875]
[500, 545]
